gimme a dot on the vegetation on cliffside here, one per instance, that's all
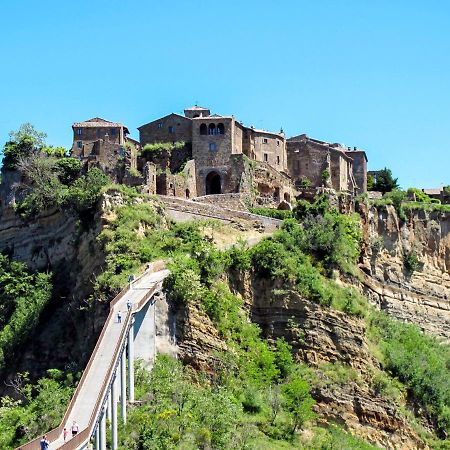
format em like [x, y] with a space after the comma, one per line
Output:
[254, 393]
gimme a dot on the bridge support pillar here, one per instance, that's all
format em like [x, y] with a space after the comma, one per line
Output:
[114, 414]
[131, 362]
[97, 438]
[123, 387]
[108, 406]
[103, 431]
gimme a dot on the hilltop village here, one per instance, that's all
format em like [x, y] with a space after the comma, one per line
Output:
[201, 154]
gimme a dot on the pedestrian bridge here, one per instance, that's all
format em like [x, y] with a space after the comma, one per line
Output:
[107, 384]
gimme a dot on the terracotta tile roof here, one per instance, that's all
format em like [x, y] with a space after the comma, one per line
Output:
[97, 122]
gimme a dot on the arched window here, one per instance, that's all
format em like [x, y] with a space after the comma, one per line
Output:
[211, 129]
[220, 128]
[203, 129]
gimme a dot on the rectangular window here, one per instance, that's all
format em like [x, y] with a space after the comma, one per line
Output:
[278, 159]
[278, 143]
[80, 144]
[79, 131]
[160, 125]
[266, 157]
[265, 141]
[212, 147]
[113, 131]
[171, 129]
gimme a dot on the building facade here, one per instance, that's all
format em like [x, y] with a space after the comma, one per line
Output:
[321, 164]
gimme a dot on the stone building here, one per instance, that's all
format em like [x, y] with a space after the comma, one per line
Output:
[318, 163]
[220, 147]
[104, 144]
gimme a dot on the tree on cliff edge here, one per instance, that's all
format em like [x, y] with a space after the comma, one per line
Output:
[22, 143]
[385, 182]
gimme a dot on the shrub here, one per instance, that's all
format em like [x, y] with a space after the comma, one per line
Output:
[24, 296]
[411, 261]
[84, 193]
[419, 361]
[420, 196]
[23, 143]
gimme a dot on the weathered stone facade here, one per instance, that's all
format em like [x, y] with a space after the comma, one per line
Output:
[321, 164]
[219, 145]
[218, 155]
[104, 144]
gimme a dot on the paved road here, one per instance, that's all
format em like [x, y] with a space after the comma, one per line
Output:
[94, 380]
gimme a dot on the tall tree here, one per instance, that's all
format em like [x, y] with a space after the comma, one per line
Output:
[385, 182]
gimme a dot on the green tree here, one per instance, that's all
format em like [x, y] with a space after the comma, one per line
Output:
[298, 402]
[370, 183]
[22, 143]
[385, 181]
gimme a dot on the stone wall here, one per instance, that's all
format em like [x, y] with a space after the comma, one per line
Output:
[236, 201]
[270, 148]
[171, 128]
[359, 169]
[271, 185]
[89, 134]
[182, 185]
[308, 158]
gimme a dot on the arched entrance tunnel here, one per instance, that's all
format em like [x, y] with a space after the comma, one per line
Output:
[213, 183]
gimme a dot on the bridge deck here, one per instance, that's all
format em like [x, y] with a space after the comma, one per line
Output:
[90, 391]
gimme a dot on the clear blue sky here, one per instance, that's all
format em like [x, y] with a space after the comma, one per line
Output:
[372, 74]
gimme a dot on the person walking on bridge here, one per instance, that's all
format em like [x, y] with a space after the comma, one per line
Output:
[44, 443]
[119, 317]
[75, 428]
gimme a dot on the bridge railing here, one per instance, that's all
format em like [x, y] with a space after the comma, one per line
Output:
[84, 435]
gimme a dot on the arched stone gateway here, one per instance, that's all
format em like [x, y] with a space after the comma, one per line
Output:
[213, 183]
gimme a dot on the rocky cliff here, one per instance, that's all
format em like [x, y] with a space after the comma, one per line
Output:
[421, 296]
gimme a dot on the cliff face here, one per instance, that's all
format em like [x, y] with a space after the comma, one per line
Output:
[423, 296]
[320, 336]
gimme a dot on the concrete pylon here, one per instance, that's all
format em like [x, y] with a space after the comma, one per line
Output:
[131, 362]
[103, 430]
[114, 414]
[123, 387]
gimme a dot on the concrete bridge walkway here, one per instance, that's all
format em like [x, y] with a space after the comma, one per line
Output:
[100, 380]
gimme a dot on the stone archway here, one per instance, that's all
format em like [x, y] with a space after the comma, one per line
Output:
[213, 183]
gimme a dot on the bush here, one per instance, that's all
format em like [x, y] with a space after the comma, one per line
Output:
[271, 212]
[24, 296]
[419, 361]
[23, 143]
[85, 192]
[420, 196]
[158, 148]
[411, 261]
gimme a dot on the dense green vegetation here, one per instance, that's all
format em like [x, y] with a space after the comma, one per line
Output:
[303, 254]
[257, 396]
[23, 297]
[272, 212]
[158, 148]
[399, 200]
[419, 361]
[34, 408]
[50, 179]
[384, 182]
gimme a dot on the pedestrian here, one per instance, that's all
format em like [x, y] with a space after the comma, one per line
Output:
[65, 434]
[75, 428]
[119, 317]
[129, 304]
[44, 443]
[130, 280]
